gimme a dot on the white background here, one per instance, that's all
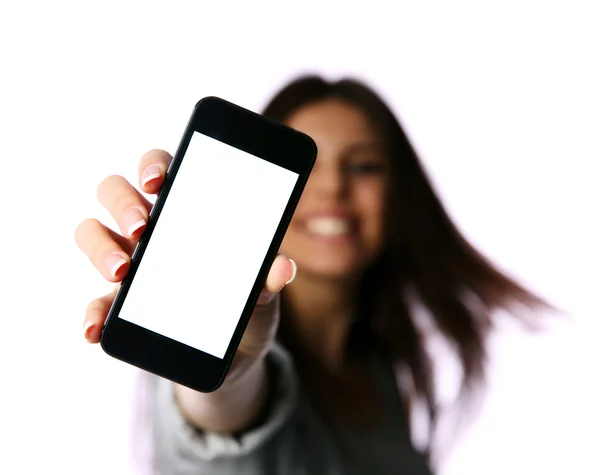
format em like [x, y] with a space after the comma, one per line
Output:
[501, 100]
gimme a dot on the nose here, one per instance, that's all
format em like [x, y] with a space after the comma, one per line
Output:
[327, 180]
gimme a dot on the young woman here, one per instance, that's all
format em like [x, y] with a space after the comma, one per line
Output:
[328, 367]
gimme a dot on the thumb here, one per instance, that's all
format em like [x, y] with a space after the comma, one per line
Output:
[282, 272]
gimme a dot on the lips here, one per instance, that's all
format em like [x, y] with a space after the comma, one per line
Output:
[329, 226]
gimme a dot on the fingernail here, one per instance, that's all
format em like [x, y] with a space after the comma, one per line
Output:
[295, 271]
[134, 220]
[114, 262]
[86, 329]
[151, 173]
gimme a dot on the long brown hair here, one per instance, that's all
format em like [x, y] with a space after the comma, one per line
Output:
[425, 256]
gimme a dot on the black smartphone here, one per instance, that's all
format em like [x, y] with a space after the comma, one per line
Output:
[212, 235]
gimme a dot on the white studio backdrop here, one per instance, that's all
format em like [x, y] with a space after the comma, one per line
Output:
[501, 100]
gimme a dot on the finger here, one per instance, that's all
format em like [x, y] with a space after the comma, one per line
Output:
[101, 246]
[125, 204]
[152, 170]
[95, 315]
[283, 272]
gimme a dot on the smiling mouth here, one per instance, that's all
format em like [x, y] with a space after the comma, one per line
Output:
[330, 227]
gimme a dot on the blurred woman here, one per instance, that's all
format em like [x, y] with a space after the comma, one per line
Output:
[331, 366]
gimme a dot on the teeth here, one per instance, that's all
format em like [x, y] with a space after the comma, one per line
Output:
[328, 227]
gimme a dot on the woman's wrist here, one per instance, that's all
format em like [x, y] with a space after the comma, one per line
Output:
[233, 407]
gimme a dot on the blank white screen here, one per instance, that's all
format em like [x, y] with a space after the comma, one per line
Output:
[208, 245]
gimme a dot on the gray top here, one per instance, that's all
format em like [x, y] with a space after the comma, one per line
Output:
[292, 439]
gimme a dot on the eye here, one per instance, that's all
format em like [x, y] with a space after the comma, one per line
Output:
[366, 167]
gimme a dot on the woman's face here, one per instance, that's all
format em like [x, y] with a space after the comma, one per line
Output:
[338, 226]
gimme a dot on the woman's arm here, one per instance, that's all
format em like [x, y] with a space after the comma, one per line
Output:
[233, 407]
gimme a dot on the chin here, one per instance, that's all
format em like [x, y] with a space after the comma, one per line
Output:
[327, 259]
[328, 267]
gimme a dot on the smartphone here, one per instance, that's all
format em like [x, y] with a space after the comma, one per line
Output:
[212, 235]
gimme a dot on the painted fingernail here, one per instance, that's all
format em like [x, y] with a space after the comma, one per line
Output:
[151, 173]
[295, 271]
[134, 220]
[87, 329]
[114, 263]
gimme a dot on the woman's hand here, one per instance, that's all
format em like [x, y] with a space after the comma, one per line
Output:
[110, 253]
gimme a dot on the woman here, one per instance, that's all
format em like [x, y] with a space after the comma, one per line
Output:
[328, 368]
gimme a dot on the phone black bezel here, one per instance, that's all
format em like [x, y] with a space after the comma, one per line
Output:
[254, 134]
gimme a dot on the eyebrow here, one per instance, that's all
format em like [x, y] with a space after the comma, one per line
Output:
[360, 146]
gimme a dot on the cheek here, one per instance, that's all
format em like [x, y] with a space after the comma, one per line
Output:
[370, 200]
[307, 203]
